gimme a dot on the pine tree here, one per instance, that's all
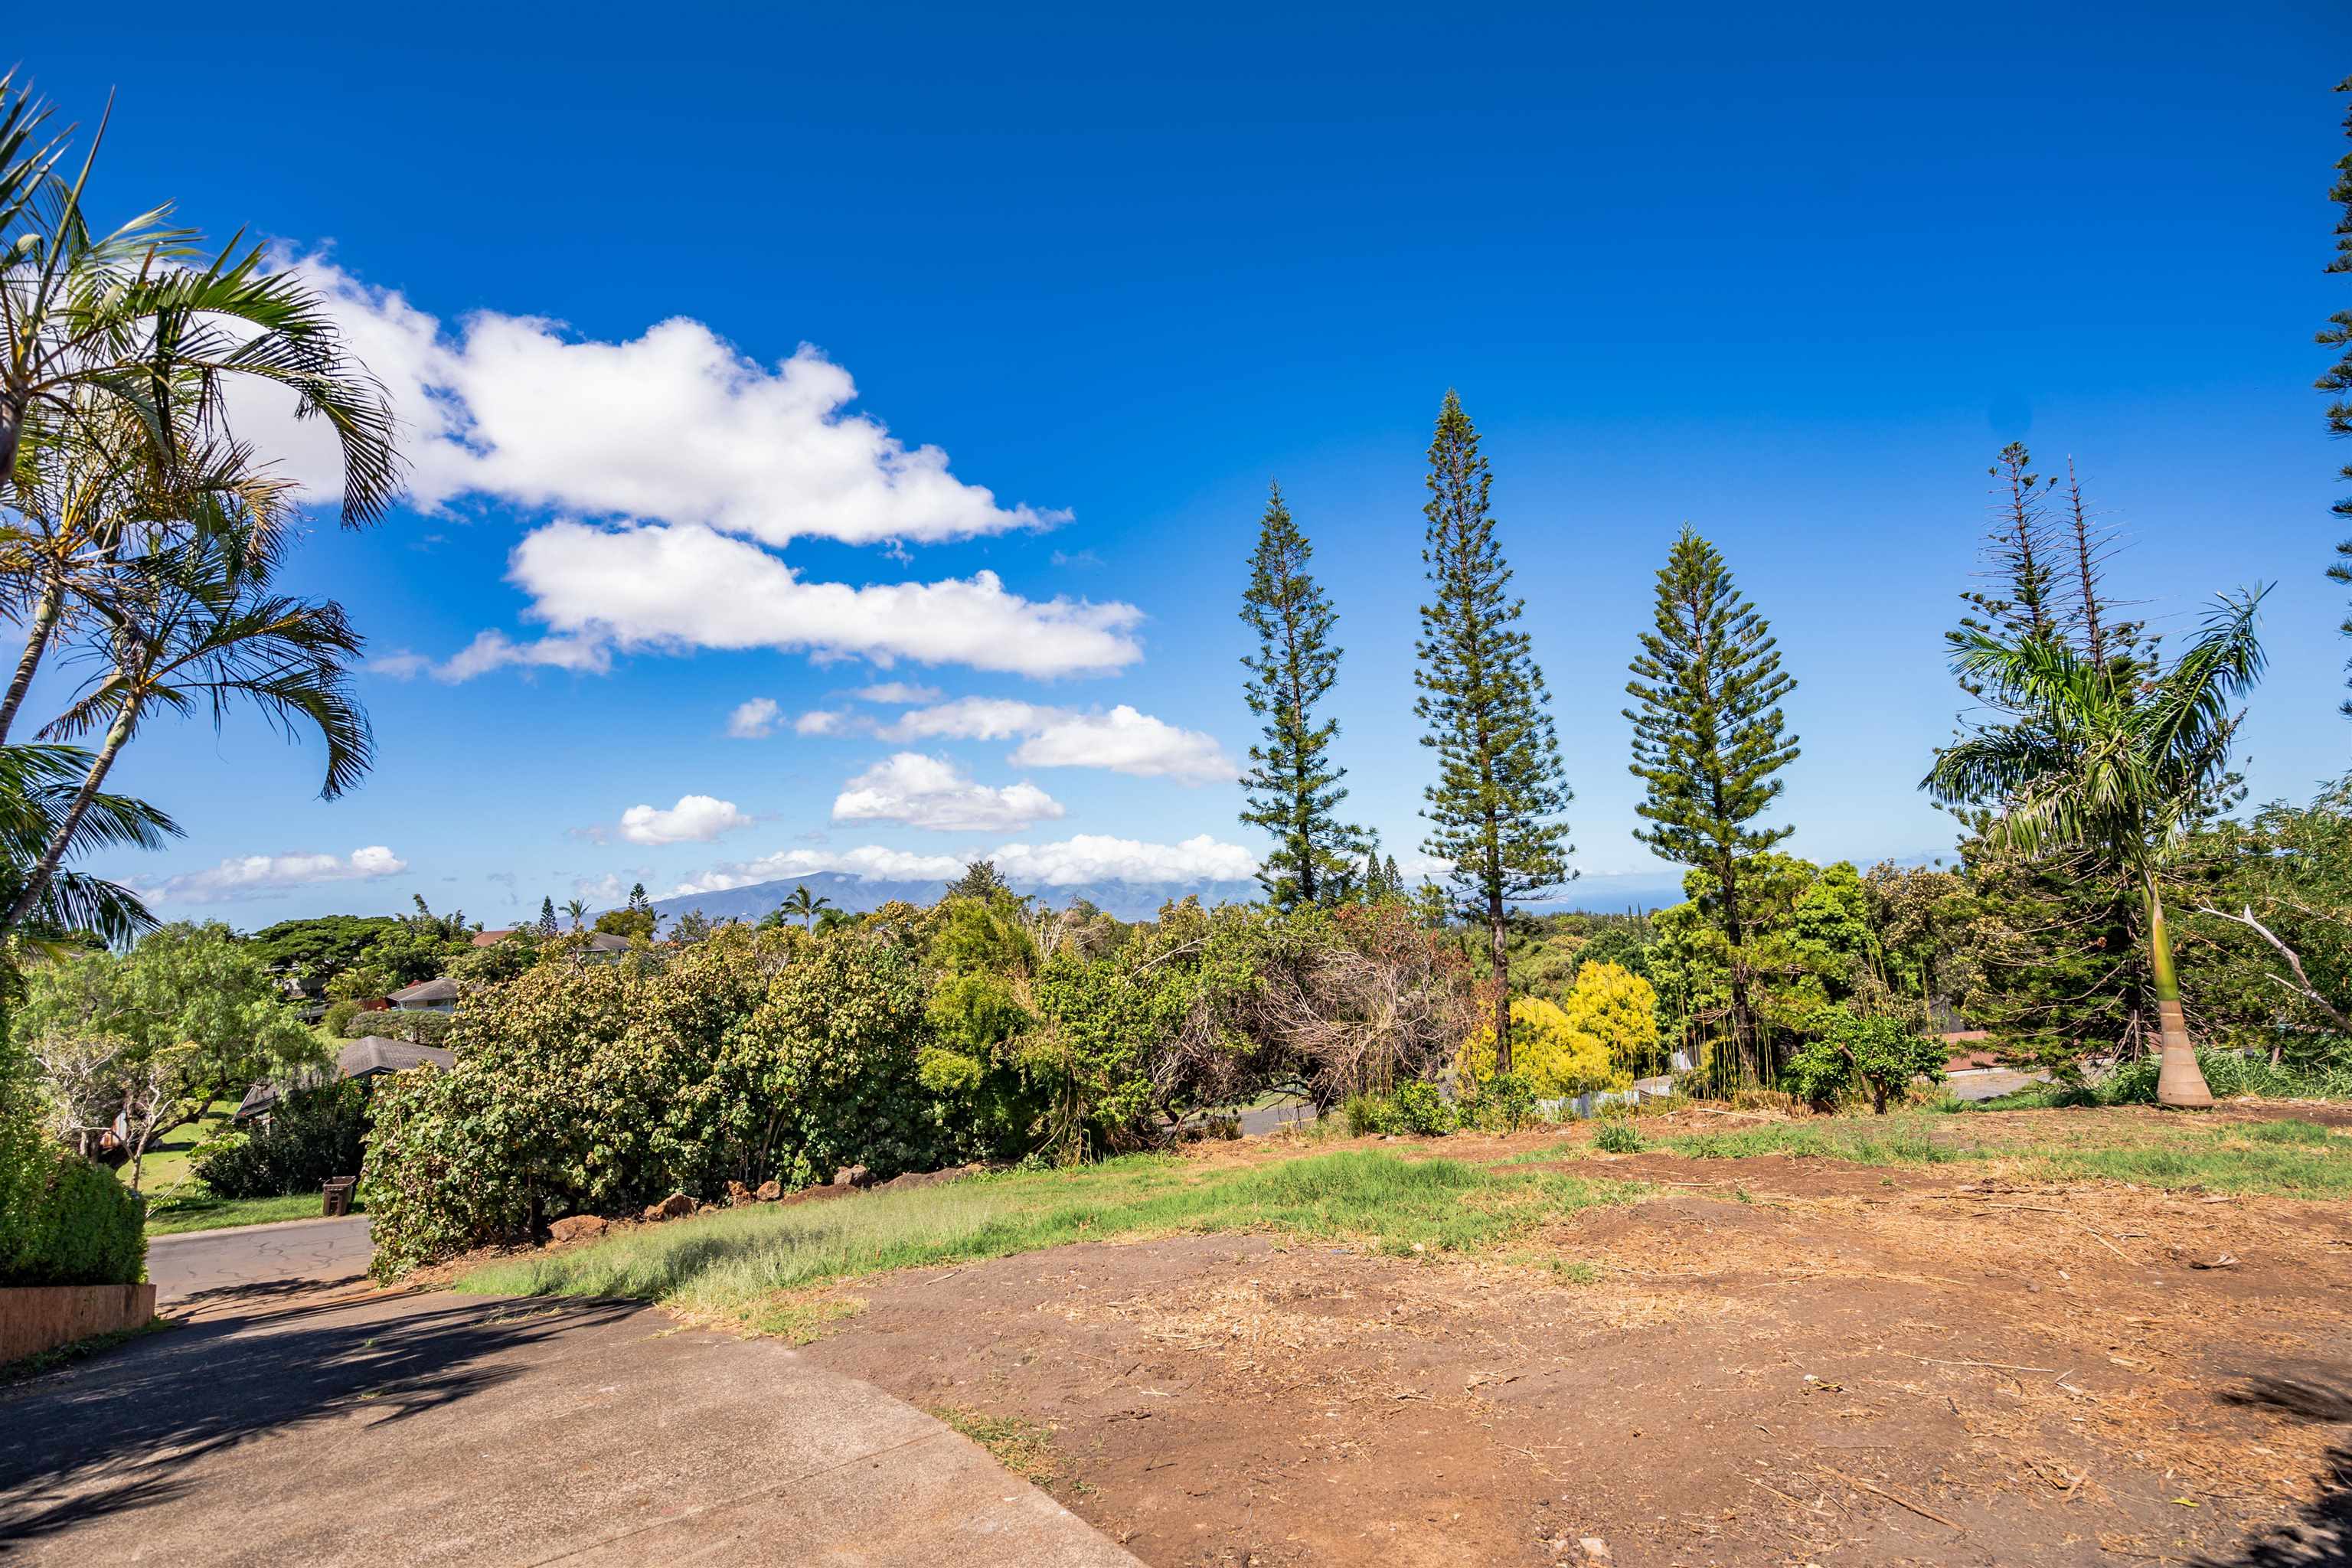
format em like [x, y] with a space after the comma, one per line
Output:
[1293, 786]
[547, 917]
[1494, 812]
[1708, 738]
[2337, 334]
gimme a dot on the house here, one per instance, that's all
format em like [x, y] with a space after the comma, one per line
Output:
[491, 938]
[373, 1054]
[437, 995]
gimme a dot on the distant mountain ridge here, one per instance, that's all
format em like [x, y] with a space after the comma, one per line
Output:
[1122, 900]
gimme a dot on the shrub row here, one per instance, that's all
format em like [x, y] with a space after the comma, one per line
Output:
[314, 1135]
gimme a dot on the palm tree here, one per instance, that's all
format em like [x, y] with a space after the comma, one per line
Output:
[201, 626]
[805, 905]
[578, 910]
[39, 786]
[141, 321]
[2113, 758]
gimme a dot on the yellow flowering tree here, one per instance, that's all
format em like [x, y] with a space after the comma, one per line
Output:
[1619, 1009]
[1552, 1057]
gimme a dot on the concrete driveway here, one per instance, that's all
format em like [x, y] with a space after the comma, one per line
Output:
[304, 1251]
[286, 1422]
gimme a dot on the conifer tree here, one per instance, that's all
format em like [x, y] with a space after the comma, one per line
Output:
[2336, 382]
[547, 917]
[1708, 738]
[1494, 811]
[1293, 786]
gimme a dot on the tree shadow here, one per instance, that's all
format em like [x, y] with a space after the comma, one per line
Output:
[2321, 1533]
[121, 1432]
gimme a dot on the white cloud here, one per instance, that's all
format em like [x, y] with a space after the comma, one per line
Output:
[651, 585]
[817, 722]
[694, 819]
[256, 876]
[896, 692]
[1122, 739]
[701, 463]
[676, 424]
[492, 650]
[927, 791]
[871, 861]
[1097, 858]
[754, 720]
[1087, 857]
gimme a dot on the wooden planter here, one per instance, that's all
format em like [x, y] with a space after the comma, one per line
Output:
[37, 1317]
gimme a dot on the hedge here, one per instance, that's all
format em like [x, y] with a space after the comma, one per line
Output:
[314, 1135]
[66, 1221]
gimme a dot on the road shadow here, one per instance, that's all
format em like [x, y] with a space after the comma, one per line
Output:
[121, 1432]
[2321, 1533]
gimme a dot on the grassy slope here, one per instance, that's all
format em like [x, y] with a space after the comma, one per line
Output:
[733, 1265]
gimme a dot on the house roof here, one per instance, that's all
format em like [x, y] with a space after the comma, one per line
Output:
[606, 942]
[374, 1054]
[257, 1099]
[492, 938]
[442, 989]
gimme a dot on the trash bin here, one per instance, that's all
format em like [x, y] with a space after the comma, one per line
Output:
[335, 1196]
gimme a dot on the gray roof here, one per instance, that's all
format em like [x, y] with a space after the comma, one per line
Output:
[374, 1054]
[606, 942]
[442, 989]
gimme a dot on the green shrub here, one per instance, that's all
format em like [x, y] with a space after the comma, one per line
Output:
[1617, 1135]
[1874, 1056]
[1504, 1103]
[1416, 1109]
[604, 1088]
[314, 1134]
[66, 1221]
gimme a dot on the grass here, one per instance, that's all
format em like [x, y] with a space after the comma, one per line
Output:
[193, 1208]
[1023, 1447]
[167, 1160]
[1880, 1140]
[744, 1264]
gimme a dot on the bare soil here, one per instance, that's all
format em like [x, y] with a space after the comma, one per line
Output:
[1770, 1361]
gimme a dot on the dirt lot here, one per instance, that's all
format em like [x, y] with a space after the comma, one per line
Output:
[1772, 1361]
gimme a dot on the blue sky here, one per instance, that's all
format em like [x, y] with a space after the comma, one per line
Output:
[1792, 277]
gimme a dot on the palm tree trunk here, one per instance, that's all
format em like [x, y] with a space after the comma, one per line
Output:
[2179, 1082]
[54, 855]
[37, 643]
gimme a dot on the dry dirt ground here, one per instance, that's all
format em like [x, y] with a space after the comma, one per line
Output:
[1769, 1362]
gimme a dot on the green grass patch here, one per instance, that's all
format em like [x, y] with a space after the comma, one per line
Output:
[2291, 1159]
[193, 1208]
[1880, 1140]
[734, 1265]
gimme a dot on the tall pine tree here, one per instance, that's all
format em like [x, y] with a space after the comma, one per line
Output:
[1708, 738]
[547, 926]
[1494, 811]
[2336, 382]
[1293, 786]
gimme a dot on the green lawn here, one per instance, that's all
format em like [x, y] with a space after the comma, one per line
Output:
[167, 1160]
[193, 1208]
[735, 1265]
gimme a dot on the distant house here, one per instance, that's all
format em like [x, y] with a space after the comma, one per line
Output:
[373, 1054]
[492, 938]
[361, 1058]
[437, 995]
[605, 945]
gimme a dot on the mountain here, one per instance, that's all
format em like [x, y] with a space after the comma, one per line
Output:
[1127, 900]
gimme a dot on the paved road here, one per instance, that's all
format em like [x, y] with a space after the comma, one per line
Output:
[284, 1421]
[203, 1262]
